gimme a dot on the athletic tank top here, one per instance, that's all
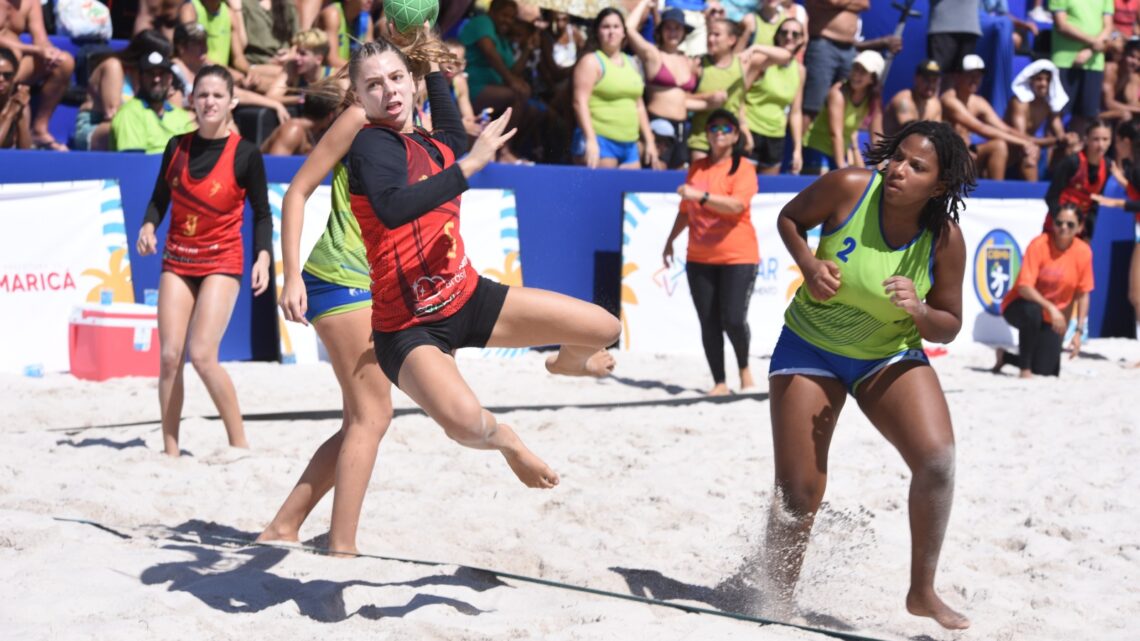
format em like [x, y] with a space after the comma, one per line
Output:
[219, 32]
[819, 133]
[860, 321]
[766, 31]
[769, 99]
[713, 78]
[339, 256]
[419, 270]
[347, 40]
[205, 215]
[613, 102]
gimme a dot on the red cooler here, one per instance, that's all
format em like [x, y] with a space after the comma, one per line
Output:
[106, 341]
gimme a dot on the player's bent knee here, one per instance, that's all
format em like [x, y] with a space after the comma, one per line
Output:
[170, 359]
[938, 467]
[202, 358]
[800, 497]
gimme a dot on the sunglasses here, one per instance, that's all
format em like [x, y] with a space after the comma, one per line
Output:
[721, 129]
[7, 75]
[790, 35]
[1066, 223]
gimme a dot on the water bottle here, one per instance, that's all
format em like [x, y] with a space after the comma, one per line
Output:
[35, 370]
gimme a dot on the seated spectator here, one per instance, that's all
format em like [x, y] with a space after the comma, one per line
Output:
[607, 101]
[111, 83]
[560, 42]
[1121, 89]
[953, 32]
[15, 133]
[832, 138]
[773, 86]
[39, 64]
[1081, 31]
[347, 23]
[159, 15]
[1054, 283]
[216, 19]
[989, 138]
[1035, 109]
[189, 58]
[495, 72]
[456, 75]
[721, 80]
[1124, 27]
[672, 77]
[1078, 177]
[298, 136]
[148, 122]
[832, 33]
[919, 103]
[265, 35]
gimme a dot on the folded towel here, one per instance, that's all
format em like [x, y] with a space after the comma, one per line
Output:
[1057, 96]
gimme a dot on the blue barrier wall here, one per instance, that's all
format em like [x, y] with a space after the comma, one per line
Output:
[570, 228]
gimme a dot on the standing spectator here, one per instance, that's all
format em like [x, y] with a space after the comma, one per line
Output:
[1021, 28]
[716, 205]
[14, 130]
[672, 77]
[456, 76]
[1081, 30]
[722, 74]
[1127, 173]
[1056, 276]
[347, 23]
[953, 32]
[832, 27]
[1078, 177]
[1121, 88]
[111, 84]
[1034, 110]
[494, 72]
[831, 139]
[774, 82]
[39, 64]
[608, 103]
[147, 122]
[972, 116]
[760, 26]
[919, 103]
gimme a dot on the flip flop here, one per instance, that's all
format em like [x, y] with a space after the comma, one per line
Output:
[49, 144]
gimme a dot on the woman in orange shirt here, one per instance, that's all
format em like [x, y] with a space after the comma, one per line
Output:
[723, 254]
[1056, 274]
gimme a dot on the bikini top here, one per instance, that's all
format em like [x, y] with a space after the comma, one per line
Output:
[664, 78]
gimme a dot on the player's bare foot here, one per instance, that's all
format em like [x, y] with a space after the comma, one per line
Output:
[1026, 373]
[929, 605]
[996, 369]
[530, 469]
[599, 365]
[720, 389]
[276, 533]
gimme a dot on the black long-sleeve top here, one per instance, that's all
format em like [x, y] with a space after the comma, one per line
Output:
[249, 170]
[378, 165]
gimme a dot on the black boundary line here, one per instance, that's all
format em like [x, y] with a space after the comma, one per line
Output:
[321, 415]
[228, 542]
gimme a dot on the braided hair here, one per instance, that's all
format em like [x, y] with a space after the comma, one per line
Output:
[956, 172]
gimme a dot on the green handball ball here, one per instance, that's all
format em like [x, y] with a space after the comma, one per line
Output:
[407, 15]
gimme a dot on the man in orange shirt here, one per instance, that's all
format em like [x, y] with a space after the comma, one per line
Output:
[1056, 274]
[723, 254]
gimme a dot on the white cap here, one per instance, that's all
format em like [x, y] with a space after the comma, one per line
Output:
[872, 61]
[973, 62]
[662, 128]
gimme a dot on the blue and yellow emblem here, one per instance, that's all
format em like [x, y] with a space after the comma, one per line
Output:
[996, 263]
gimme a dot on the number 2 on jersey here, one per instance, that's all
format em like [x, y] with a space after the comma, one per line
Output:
[848, 247]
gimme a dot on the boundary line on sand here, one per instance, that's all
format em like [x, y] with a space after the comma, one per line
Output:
[229, 542]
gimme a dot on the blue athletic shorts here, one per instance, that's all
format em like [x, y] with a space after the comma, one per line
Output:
[815, 159]
[327, 298]
[794, 355]
[625, 152]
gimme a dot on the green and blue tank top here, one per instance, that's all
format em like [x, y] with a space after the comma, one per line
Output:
[714, 78]
[860, 321]
[819, 133]
[769, 99]
[613, 102]
[339, 256]
[219, 32]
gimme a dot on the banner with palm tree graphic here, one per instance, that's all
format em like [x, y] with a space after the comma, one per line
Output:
[64, 244]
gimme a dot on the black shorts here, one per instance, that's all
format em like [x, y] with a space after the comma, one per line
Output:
[676, 153]
[469, 327]
[948, 49]
[766, 151]
[1084, 89]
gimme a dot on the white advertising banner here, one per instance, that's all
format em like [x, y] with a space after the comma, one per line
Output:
[490, 230]
[64, 244]
[657, 311]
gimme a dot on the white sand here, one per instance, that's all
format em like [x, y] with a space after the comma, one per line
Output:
[1044, 541]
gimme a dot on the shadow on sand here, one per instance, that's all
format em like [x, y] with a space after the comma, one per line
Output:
[103, 442]
[241, 580]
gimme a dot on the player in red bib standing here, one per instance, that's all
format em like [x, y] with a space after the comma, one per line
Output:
[427, 299]
[206, 177]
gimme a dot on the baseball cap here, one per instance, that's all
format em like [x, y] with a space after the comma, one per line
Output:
[154, 60]
[929, 67]
[662, 128]
[973, 62]
[872, 61]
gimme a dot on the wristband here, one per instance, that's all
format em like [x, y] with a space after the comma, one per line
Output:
[705, 198]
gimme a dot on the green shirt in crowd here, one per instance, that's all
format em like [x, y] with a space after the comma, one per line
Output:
[136, 127]
[1087, 16]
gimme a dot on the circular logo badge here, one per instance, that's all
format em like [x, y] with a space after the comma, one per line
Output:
[996, 263]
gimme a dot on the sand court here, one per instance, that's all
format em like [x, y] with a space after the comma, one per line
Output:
[662, 496]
